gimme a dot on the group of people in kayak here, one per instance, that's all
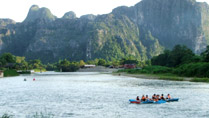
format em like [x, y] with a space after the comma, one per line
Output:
[155, 97]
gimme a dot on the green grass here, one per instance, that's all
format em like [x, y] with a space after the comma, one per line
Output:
[200, 80]
[43, 115]
[9, 73]
[6, 116]
[36, 115]
[40, 70]
[171, 78]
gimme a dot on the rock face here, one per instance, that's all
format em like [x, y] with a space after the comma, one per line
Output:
[39, 13]
[69, 15]
[143, 31]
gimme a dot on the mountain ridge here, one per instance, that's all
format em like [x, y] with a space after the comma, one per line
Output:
[143, 30]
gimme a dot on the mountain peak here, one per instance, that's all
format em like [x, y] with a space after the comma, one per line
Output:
[39, 13]
[34, 7]
[69, 15]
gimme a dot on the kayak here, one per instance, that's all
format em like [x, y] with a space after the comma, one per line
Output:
[172, 100]
[147, 102]
[135, 101]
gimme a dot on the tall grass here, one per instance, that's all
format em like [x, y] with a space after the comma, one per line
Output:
[36, 115]
[6, 116]
[200, 80]
[43, 115]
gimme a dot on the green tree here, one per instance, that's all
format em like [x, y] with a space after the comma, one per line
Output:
[101, 62]
[81, 63]
[205, 54]
[180, 55]
[8, 57]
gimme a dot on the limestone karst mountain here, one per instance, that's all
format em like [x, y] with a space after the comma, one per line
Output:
[143, 31]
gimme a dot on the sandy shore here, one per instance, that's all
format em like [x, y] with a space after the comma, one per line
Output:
[98, 69]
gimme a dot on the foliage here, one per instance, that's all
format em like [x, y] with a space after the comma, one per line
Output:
[200, 80]
[66, 66]
[101, 62]
[129, 60]
[200, 69]
[178, 56]
[148, 70]
[81, 63]
[205, 54]
[42, 115]
[6, 58]
[6, 116]
[8, 73]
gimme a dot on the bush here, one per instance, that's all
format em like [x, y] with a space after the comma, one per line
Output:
[149, 70]
[200, 69]
[8, 73]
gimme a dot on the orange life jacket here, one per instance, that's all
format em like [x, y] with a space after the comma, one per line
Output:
[169, 97]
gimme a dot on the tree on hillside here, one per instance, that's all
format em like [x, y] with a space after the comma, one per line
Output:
[8, 57]
[179, 55]
[101, 62]
[81, 63]
[205, 54]
[129, 60]
[162, 59]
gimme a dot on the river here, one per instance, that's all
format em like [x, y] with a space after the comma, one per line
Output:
[96, 95]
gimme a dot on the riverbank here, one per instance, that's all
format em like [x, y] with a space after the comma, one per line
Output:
[101, 69]
[162, 77]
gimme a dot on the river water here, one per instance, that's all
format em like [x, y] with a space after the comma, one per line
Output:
[96, 95]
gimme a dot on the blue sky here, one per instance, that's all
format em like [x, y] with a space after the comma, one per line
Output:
[18, 9]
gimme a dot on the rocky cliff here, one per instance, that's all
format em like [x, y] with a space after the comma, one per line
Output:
[143, 31]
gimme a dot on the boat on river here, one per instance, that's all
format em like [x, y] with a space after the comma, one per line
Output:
[153, 102]
[147, 102]
[172, 100]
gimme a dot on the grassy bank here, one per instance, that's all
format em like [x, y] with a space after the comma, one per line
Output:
[40, 70]
[9, 73]
[200, 80]
[162, 73]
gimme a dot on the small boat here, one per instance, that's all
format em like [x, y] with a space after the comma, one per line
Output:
[135, 101]
[147, 102]
[172, 100]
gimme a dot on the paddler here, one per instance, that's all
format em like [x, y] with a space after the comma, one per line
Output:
[162, 97]
[157, 98]
[143, 98]
[154, 97]
[147, 98]
[168, 96]
[137, 98]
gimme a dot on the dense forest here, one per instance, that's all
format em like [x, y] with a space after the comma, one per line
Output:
[180, 61]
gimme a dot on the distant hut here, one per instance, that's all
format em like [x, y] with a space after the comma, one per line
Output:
[129, 66]
[89, 66]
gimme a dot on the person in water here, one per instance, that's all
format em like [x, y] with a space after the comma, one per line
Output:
[168, 96]
[143, 98]
[162, 97]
